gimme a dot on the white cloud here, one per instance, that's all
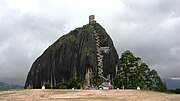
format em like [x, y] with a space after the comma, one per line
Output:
[175, 78]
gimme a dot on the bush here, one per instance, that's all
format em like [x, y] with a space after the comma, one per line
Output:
[61, 86]
[177, 91]
[73, 83]
[47, 85]
[86, 26]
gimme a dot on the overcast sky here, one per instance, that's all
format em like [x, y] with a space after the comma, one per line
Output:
[148, 28]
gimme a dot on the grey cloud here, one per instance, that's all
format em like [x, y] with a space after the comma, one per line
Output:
[149, 28]
[151, 32]
[23, 39]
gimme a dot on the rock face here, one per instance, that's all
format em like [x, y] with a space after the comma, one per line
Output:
[74, 55]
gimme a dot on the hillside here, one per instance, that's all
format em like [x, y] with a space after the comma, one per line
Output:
[6, 86]
[172, 84]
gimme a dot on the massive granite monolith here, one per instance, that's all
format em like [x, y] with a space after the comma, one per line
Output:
[74, 55]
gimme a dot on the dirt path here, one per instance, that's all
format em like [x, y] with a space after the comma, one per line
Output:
[85, 95]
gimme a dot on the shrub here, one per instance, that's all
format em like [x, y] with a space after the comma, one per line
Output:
[177, 91]
[47, 85]
[61, 86]
[73, 83]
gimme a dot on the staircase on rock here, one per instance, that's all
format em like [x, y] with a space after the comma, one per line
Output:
[100, 51]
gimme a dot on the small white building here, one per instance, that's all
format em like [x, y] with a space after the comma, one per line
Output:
[138, 88]
[43, 87]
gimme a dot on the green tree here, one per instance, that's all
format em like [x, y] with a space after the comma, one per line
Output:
[156, 82]
[127, 68]
[143, 78]
[118, 81]
[132, 72]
